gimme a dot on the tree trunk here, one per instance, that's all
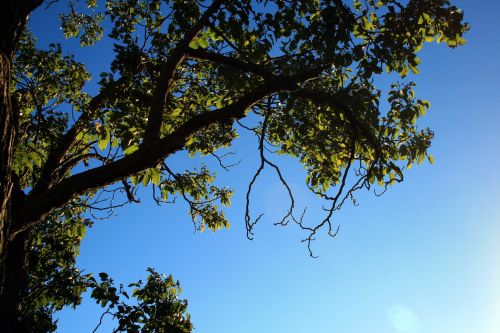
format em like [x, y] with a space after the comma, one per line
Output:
[14, 278]
[6, 144]
[13, 251]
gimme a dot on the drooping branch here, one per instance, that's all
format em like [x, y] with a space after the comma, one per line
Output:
[263, 162]
[248, 220]
[334, 205]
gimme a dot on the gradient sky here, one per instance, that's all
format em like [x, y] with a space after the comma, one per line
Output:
[423, 258]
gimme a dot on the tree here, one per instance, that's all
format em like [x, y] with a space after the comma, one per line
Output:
[185, 74]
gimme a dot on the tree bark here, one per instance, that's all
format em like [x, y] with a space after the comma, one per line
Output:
[8, 292]
[13, 252]
[14, 278]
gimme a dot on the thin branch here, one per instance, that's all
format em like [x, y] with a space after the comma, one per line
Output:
[108, 311]
[334, 206]
[221, 162]
[248, 220]
[263, 161]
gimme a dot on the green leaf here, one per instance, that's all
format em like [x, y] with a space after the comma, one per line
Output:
[146, 178]
[199, 42]
[414, 69]
[104, 137]
[155, 176]
[194, 44]
[129, 150]
[176, 112]
[102, 144]
[203, 43]
[367, 25]
[404, 71]
[37, 160]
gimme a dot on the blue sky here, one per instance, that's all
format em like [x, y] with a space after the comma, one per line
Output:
[424, 257]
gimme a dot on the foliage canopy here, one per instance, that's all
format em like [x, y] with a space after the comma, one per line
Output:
[185, 75]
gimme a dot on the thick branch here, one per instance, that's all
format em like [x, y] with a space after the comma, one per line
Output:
[228, 61]
[68, 139]
[167, 74]
[150, 153]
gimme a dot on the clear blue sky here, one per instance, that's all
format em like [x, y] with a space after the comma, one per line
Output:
[423, 258]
